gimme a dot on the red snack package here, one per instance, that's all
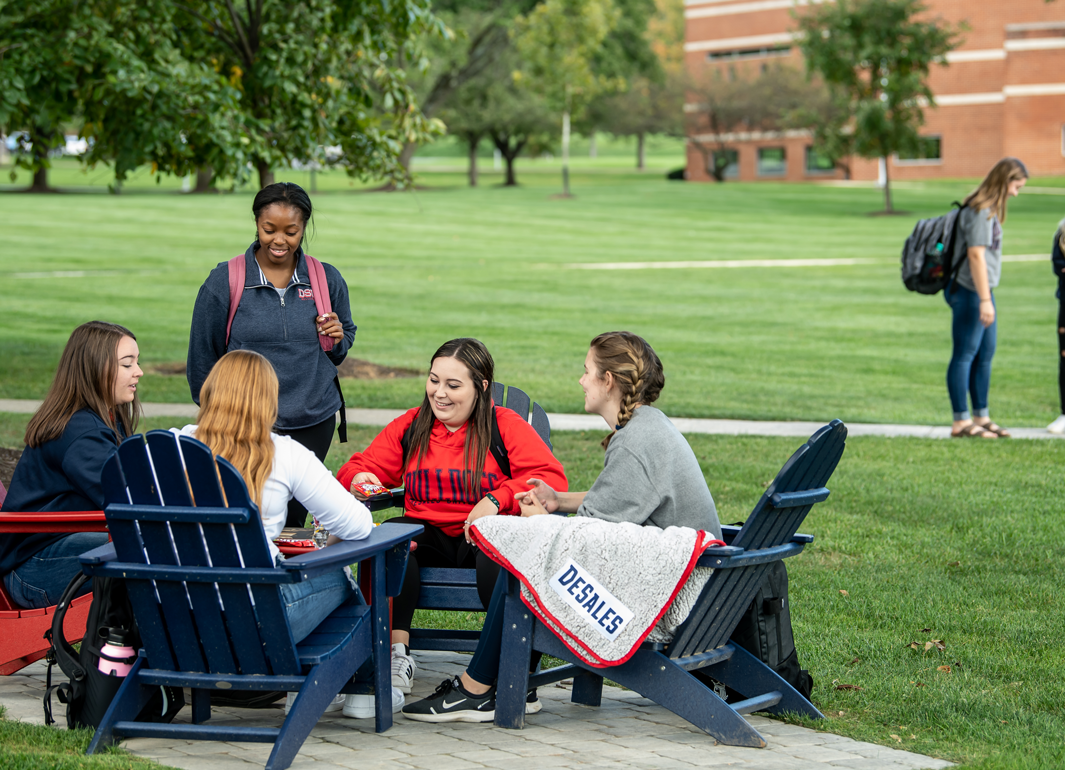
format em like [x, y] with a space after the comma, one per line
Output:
[369, 489]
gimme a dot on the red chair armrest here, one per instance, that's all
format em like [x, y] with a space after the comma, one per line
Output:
[65, 521]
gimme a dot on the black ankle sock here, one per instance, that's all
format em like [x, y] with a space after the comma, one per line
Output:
[466, 692]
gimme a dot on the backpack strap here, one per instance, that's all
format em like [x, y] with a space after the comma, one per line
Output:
[237, 270]
[63, 653]
[320, 289]
[496, 445]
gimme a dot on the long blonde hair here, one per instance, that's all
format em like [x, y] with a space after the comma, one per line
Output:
[85, 379]
[636, 368]
[993, 192]
[238, 409]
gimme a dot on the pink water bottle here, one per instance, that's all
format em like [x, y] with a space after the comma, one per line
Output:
[116, 645]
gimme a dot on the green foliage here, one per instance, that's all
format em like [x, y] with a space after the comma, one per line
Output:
[876, 56]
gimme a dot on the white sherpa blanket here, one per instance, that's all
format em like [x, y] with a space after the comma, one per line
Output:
[600, 586]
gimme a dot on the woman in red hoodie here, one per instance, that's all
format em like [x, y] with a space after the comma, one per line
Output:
[440, 453]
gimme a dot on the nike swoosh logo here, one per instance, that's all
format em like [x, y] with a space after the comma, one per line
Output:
[447, 705]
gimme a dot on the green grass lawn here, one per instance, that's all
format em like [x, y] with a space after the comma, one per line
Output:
[764, 343]
[961, 538]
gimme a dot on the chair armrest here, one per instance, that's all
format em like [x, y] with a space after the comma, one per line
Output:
[99, 555]
[394, 498]
[59, 521]
[380, 540]
[737, 557]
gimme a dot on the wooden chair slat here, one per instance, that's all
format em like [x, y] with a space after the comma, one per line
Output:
[137, 469]
[497, 393]
[519, 401]
[203, 476]
[169, 468]
[542, 425]
[191, 549]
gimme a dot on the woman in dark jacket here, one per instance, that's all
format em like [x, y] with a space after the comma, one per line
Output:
[277, 317]
[91, 406]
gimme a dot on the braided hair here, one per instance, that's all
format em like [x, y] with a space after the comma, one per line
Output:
[636, 368]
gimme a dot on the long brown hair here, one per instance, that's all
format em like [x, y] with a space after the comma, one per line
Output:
[85, 379]
[636, 368]
[238, 409]
[993, 192]
[475, 356]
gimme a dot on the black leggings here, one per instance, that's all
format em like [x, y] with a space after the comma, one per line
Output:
[1061, 352]
[317, 438]
[436, 549]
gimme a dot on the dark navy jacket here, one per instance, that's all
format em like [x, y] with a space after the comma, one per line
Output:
[283, 330]
[61, 475]
[1058, 260]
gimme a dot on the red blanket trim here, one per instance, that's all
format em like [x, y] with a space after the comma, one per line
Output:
[541, 611]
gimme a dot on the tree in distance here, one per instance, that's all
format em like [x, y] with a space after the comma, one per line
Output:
[559, 42]
[875, 57]
[724, 109]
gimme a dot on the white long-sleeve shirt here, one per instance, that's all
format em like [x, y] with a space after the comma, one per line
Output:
[299, 474]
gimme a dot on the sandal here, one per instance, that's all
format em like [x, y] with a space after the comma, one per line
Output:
[996, 429]
[972, 430]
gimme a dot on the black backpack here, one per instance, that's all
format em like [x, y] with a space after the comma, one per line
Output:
[928, 256]
[88, 692]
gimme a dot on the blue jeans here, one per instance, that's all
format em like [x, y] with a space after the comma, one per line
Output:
[40, 580]
[974, 347]
[309, 603]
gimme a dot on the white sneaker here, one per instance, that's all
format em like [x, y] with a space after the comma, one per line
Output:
[362, 706]
[336, 705]
[1058, 426]
[403, 668]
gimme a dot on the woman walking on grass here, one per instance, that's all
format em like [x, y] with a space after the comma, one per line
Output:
[1057, 259]
[971, 298]
[277, 316]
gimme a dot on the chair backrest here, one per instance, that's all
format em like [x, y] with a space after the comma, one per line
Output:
[519, 401]
[170, 517]
[772, 524]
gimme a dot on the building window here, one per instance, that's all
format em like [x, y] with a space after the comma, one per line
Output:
[772, 161]
[730, 159]
[750, 53]
[929, 152]
[816, 163]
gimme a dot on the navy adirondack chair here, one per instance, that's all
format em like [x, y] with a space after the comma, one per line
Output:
[456, 589]
[660, 672]
[205, 594]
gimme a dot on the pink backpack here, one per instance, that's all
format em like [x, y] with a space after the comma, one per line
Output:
[319, 288]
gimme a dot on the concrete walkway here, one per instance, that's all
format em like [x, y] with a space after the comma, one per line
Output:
[627, 732]
[382, 417]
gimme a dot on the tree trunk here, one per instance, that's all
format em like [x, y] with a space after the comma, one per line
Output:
[565, 153]
[40, 180]
[266, 174]
[887, 188]
[204, 177]
[473, 142]
[406, 155]
[641, 152]
[511, 180]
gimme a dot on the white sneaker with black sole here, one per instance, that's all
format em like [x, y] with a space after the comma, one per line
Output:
[362, 706]
[336, 705]
[403, 668]
[450, 703]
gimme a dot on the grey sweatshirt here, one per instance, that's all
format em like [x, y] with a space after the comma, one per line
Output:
[651, 477]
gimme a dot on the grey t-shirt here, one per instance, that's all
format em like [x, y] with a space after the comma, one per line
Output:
[650, 476]
[976, 228]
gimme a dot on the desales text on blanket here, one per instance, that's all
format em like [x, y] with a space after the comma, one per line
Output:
[586, 595]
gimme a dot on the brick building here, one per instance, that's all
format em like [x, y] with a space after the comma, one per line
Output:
[1003, 92]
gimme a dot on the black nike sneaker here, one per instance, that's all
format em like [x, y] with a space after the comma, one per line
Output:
[451, 703]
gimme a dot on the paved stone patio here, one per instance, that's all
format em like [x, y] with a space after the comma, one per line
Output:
[627, 732]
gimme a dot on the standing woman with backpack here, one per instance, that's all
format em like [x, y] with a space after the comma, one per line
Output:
[446, 453]
[276, 313]
[971, 298]
[90, 408]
